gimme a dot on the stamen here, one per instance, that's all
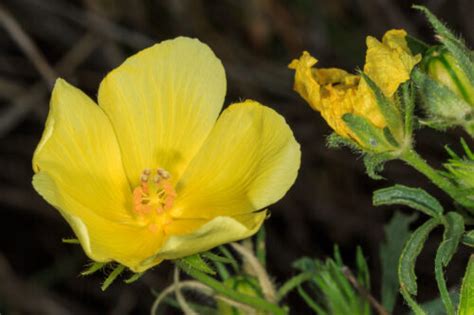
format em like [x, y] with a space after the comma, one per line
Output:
[154, 196]
[163, 173]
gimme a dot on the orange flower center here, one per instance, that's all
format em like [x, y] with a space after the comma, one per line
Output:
[153, 197]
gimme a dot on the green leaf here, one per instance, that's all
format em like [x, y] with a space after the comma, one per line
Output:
[372, 137]
[415, 198]
[213, 257]
[293, 283]
[311, 303]
[113, 275]
[468, 238]
[466, 303]
[397, 232]
[436, 306]
[388, 109]
[453, 231]
[93, 267]
[410, 252]
[196, 262]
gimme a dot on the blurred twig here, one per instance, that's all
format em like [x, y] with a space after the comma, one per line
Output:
[27, 45]
[28, 98]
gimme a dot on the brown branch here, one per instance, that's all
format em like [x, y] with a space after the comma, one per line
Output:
[363, 292]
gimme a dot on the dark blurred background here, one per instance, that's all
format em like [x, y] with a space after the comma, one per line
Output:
[83, 40]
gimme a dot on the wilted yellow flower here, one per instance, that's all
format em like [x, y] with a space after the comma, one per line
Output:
[334, 92]
[152, 173]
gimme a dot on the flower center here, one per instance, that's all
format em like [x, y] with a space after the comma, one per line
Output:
[154, 196]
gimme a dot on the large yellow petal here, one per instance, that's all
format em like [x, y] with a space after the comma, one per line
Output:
[220, 230]
[163, 102]
[80, 152]
[102, 240]
[389, 63]
[248, 162]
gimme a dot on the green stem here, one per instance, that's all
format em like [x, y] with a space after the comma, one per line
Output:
[417, 162]
[219, 287]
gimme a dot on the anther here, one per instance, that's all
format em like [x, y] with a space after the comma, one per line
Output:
[163, 173]
[144, 178]
[157, 179]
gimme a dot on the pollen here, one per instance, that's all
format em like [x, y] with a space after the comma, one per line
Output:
[155, 194]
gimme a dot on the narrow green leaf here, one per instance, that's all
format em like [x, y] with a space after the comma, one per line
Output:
[413, 247]
[397, 232]
[363, 274]
[468, 238]
[213, 257]
[466, 303]
[453, 231]
[113, 275]
[292, 283]
[311, 303]
[228, 254]
[415, 198]
[388, 109]
[93, 267]
[196, 262]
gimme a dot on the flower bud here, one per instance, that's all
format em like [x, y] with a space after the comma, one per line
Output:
[443, 68]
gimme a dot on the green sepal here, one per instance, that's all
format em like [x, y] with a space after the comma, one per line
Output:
[454, 45]
[387, 107]
[70, 241]
[112, 276]
[407, 97]
[415, 198]
[374, 164]
[443, 106]
[134, 277]
[196, 262]
[93, 267]
[373, 138]
[466, 299]
[411, 251]
[416, 45]
[453, 232]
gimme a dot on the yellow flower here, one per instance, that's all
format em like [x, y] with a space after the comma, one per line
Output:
[152, 172]
[334, 92]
